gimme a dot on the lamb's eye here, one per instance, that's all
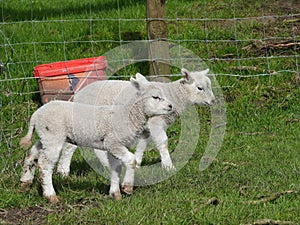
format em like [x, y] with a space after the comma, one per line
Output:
[156, 97]
[200, 89]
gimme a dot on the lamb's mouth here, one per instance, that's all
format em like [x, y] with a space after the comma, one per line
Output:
[168, 109]
[165, 111]
[208, 104]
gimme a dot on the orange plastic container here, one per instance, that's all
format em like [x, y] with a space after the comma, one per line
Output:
[60, 80]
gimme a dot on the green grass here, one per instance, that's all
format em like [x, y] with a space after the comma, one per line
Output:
[260, 153]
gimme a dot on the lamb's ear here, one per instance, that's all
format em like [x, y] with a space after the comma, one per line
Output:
[186, 75]
[138, 84]
[134, 83]
[204, 72]
[140, 76]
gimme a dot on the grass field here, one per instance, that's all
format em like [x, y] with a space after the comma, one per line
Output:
[255, 178]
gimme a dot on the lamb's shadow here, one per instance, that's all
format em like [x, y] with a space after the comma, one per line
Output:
[79, 168]
[77, 182]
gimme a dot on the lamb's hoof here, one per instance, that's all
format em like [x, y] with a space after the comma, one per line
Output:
[133, 164]
[168, 167]
[138, 163]
[52, 199]
[62, 173]
[116, 196]
[127, 189]
[26, 185]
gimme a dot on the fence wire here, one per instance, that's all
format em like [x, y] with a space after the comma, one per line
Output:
[239, 43]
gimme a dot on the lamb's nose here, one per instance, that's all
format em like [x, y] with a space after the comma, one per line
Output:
[213, 102]
[170, 107]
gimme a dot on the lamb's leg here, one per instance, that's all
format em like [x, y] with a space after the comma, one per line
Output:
[157, 128]
[115, 171]
[30, 165]
[140, 149]
[103, 157]
[63, 166]
[127, 185]
[161, 141]
[143, 142]
[47, 159]
[129, 161]
[115, 166]
[128, 182]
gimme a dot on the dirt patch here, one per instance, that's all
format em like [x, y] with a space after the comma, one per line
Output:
[30, 215]
[288, 6]
[34, 215]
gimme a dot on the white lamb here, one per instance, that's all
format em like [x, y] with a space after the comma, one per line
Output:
[110, 128]
[193, 88]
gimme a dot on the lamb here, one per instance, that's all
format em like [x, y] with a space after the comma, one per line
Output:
[193, 88]
[110, 128]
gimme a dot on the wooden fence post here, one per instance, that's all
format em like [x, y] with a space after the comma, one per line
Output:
[158, 34]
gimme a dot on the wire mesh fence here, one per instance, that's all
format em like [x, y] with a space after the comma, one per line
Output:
[234, 38]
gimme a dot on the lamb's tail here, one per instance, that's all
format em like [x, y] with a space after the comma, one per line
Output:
[26, 141]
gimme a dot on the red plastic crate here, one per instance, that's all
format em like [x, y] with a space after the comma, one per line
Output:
[60, 80]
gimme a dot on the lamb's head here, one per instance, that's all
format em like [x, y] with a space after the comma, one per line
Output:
[198, 87]
[154, 101]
